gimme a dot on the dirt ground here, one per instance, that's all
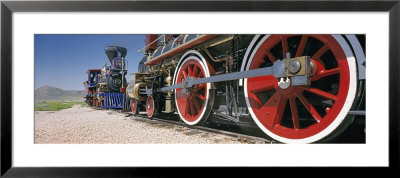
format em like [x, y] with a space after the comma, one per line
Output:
[85, 125]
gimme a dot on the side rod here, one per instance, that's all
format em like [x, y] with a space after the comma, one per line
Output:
[299, 69]
[223, 77]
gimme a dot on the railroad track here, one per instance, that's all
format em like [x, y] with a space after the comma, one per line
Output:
[227, 129]
[240, 137]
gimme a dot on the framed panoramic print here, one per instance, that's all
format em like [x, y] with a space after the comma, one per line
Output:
[113, 88]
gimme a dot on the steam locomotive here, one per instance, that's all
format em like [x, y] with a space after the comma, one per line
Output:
[105, 87]
[295, 88]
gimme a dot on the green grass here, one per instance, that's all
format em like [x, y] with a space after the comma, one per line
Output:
[55, 106]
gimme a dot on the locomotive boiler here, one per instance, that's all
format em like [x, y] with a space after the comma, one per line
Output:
[105, 87]
[295, 88]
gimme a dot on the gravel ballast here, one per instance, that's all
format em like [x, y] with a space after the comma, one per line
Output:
[85, 125]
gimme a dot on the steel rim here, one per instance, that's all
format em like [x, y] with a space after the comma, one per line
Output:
[150, 106]
[280, 111]
[191, 105]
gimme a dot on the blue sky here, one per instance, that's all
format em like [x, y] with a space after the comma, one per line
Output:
[62, 60]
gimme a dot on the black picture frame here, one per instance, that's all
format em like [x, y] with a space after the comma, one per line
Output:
[8, 7]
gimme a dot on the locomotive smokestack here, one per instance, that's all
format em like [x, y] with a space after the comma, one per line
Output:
[151, 42]
[112, 52]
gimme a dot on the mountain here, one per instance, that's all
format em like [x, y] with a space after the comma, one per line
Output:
[48, 93]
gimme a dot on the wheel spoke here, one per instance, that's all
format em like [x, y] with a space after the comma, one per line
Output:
[322, 93]
[270, 109]
[254, 101]
[200, 86]
[285, 46]
[185, 75]
[196, 104]
[190, 71]
[186, 107]
[281, 110]
[324, 73]
[295, 115]
[320, 52]
[195, 70]
[192, 108]
[258, 62]
[270, 56]
[202, 97]
[200, 74]
[302, 45]
[260, 84]
[310, 108]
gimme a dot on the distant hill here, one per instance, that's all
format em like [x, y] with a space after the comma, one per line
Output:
[48, 93]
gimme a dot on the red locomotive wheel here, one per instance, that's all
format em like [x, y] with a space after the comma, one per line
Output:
[134, 106]
[150, 107]
[302, 114]
[193, 105]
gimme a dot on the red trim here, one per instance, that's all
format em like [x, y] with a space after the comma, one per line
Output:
[180, 49]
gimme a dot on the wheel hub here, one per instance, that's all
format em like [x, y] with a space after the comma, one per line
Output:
[294, 66]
